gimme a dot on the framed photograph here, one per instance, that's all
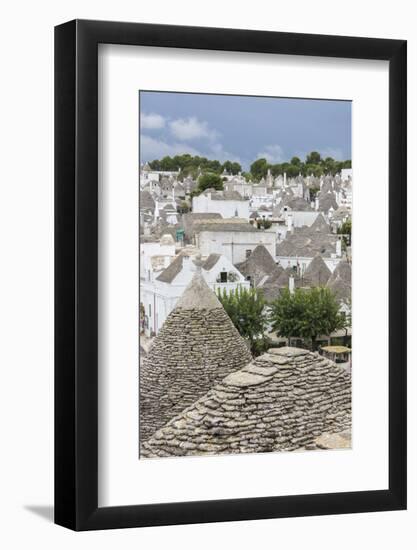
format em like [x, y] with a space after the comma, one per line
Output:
[230, 337]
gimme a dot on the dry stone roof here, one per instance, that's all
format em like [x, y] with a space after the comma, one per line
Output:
[320, 225]
[227, 195]
[259, 264]
[196, 347]
[307, 243]
[340, 281]
[283, 279]
[327, 201]
[343, 270]
[229, 224]
[146, 200]
[189, 220]
[272, 285]
[282, 401]
[175, 267]
[317, 272]
[210, 261]
[170, 272]
[297, 203]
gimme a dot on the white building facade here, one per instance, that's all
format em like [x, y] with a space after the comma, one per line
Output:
[235, 245]
[160, 293]
[209, 202]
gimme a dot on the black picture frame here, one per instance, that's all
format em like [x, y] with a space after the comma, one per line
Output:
[76, 272]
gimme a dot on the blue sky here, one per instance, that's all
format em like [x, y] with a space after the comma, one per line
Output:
[242, 128]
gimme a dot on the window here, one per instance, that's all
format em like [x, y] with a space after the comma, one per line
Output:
[248, 253]
[223, 276]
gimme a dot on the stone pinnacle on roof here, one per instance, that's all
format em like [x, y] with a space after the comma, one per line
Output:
[197, 346]
[198, 295]
[282, 401]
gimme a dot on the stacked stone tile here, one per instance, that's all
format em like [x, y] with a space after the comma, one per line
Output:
[282, 401]
[196, 348]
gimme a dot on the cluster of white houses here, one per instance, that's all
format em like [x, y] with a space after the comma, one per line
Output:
[287, 226]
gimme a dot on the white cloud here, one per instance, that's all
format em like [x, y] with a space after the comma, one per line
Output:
[151, 148]
[151, 121]
[336, 154]
[272, 153]
[191, 128]
[220, 154]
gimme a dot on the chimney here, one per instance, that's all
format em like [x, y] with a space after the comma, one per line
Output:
[291, 284]
[289, 222]
[197, 263]
[339, 248]
[317, 203]
[186, 263]
[285, 179]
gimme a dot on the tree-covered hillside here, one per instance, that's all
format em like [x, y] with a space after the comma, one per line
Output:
[190, 165]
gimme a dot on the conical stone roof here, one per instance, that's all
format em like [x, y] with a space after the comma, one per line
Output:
[342, 270]
[270, 287]
[320, 225]
[196, 347]
[282, 401]
[340, 281]
[317, 272]
[259, 264]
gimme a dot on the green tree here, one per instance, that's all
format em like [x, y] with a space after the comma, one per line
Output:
[292, 170]
[168, 164]
[231, 167]
[314, 190]
[306, 313]
[346, 230]
[246, 309]
[276, 170]
[313, 158]
[183, 208]
[263, 224]
[329, 165]
[296, 161]
[259, 169]
[315, 169]
[210, 180]
[155, 164]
